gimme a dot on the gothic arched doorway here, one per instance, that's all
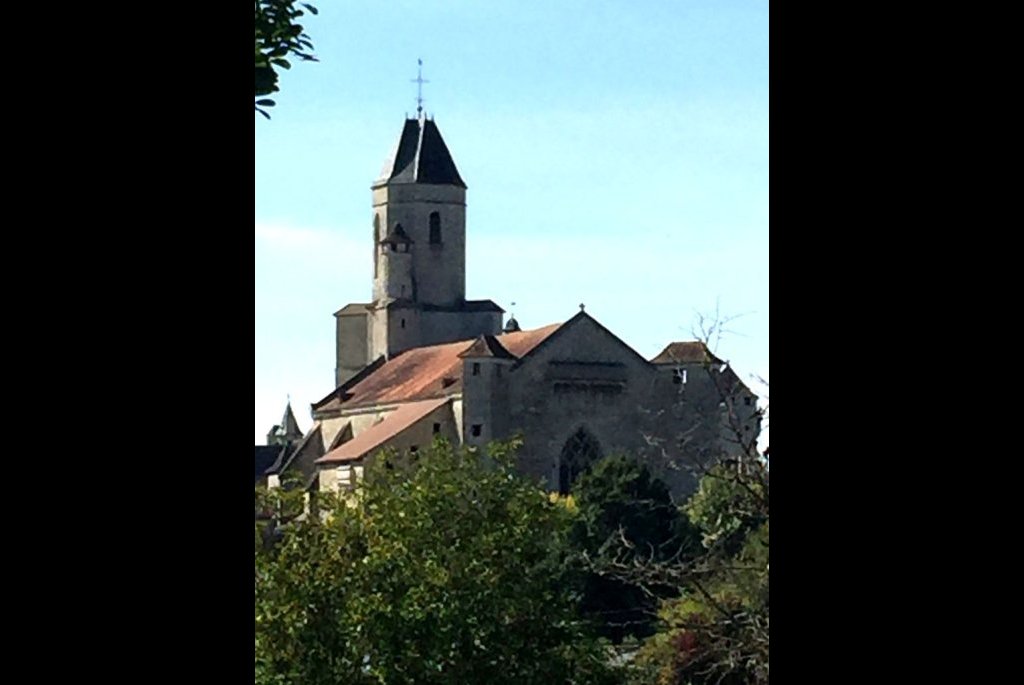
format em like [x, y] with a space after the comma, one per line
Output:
[579, 452]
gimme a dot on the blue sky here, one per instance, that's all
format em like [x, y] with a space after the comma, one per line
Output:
[616, 154]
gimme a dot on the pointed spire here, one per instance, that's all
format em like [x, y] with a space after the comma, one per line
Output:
[288, 423]
[421, 156]
[288, 430]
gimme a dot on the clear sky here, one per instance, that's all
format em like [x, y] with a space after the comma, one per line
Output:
[616, 154]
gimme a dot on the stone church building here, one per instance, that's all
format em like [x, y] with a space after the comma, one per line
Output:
[421, 361]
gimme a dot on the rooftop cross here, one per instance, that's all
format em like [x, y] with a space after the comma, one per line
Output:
[419, 81]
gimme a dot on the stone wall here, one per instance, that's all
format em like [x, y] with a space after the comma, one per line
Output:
[353, 345]
[439, 270]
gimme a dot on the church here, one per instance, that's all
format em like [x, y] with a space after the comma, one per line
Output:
[420, 361]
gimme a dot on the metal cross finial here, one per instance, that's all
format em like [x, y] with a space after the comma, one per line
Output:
[582, 306]
[419, 81]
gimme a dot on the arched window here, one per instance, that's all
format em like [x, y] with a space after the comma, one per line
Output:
[579, 452]
[376, 241]
[435, 228]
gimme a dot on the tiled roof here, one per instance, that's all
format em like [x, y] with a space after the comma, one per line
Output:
[423, 372]
[686, 352]
[421, 156]
[376, 435]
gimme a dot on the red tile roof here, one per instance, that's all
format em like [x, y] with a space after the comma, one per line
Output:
[424, 372]
[376, 435]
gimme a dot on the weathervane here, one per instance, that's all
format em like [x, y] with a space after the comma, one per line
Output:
[419, 81]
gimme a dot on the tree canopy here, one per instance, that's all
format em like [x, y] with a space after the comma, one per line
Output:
[621, 506]
[446, 569]
[278, 36]
[717, 629]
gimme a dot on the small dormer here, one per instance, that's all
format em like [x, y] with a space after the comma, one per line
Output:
[394, 273]
[487, 352]
[396, 241]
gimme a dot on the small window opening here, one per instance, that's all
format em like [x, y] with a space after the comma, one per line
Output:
[437, 428]
[475, 430]
[414, 449]
[435, 228]
[403, 320]
[476, 368]
[746, 401]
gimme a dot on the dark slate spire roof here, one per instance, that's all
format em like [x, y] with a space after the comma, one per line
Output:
[287, 431]
[288, 422]
[420, 157]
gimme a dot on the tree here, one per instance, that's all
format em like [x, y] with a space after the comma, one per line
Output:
[444, 568]
[619, 501]
[717, 630]
[278, 35]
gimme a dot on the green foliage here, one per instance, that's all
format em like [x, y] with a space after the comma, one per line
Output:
[445, 569]
[730, 502]
[623, 511]
[278, 35]
[717, 629]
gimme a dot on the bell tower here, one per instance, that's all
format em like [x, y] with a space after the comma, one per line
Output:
[420, 191]
[419, 259]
